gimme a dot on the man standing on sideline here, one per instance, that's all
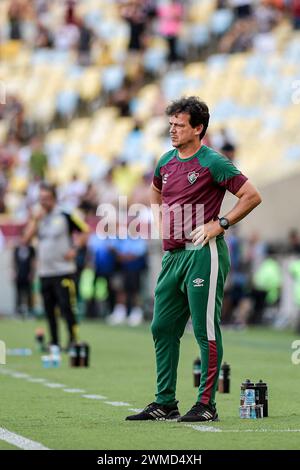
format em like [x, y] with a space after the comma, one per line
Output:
[196, 262]
[56, 259]
[24, 266]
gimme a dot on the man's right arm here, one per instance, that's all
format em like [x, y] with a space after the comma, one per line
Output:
[32, 226]
[30, 231]
[156, 202]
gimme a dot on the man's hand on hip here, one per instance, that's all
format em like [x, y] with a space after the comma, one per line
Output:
[206, 232]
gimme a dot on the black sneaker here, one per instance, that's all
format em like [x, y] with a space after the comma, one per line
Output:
[156, 412]
[200, 412]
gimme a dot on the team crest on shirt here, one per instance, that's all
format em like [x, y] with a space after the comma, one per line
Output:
[192, 177]
[165, 178]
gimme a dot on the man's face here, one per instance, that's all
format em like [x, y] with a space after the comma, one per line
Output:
[181, 131]
[47, 200]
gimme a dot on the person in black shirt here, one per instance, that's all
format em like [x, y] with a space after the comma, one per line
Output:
[24, 257]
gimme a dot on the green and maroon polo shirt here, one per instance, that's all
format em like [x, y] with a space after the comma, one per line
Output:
[193, 190]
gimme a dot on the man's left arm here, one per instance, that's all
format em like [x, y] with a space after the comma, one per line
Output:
[76, 224]
[249, 198]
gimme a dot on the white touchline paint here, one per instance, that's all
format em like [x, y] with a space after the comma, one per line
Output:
[211, 303]
[94, 397]
[20, 375]
[37, 381]
[261, 430]
[53, 385]
[6, 371]
[28, 442]
[117, 403]
[20, 441]
[203, 428]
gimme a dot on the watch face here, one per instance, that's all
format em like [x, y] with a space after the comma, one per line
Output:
[224, 223]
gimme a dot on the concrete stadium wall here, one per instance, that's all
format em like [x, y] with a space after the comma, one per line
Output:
[278, 213]
[7, 295]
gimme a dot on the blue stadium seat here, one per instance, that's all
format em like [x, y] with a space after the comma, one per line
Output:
[221, 20]
[155, 59]
[66, 104]
[112, 77]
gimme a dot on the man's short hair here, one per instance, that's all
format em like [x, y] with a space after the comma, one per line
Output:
[198, 111]
[45, 186]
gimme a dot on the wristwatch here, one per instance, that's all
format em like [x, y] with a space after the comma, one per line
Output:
[224, 223]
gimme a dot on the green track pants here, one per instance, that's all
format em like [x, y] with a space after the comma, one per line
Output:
[191, 282]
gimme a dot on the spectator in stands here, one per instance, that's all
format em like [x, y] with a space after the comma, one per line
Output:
[267, 282]
[72, 192]
[228, 150]
[132, 256]
[13, 112]
[122, 96]
[294, 242]
[221, 4]
[70, 14]
[237, 280]
[266, 16]
[124, 178]
[108, 192]
[141, 192]
[295, 8]
[43, 37]
[89, 200]
[32, 193]
[239, 38]
[255, 252]
[38, 162]
[134, 13]
[103, 257]
[84, 44]
[170, 15]
[242, 8]
[8, 155]
[15, 17]
[67, 36]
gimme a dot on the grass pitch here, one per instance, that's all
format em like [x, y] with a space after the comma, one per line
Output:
[123, 370]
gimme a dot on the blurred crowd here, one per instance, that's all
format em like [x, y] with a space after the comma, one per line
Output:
[137, 44]
[35, 22]
[188, 31]
[257, 284]
[113, 280]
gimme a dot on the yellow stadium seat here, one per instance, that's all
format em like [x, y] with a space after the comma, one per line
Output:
[9, 50]
[90, 85]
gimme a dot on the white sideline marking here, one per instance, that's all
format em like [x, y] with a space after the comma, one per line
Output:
[6, 371]
[20, 441]
[20, 375]
[261, 430]
[212, 429]
[94, 397]
[73, 390]
[117, 403]
[37, 381]
[203, 428]
[52, 385]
